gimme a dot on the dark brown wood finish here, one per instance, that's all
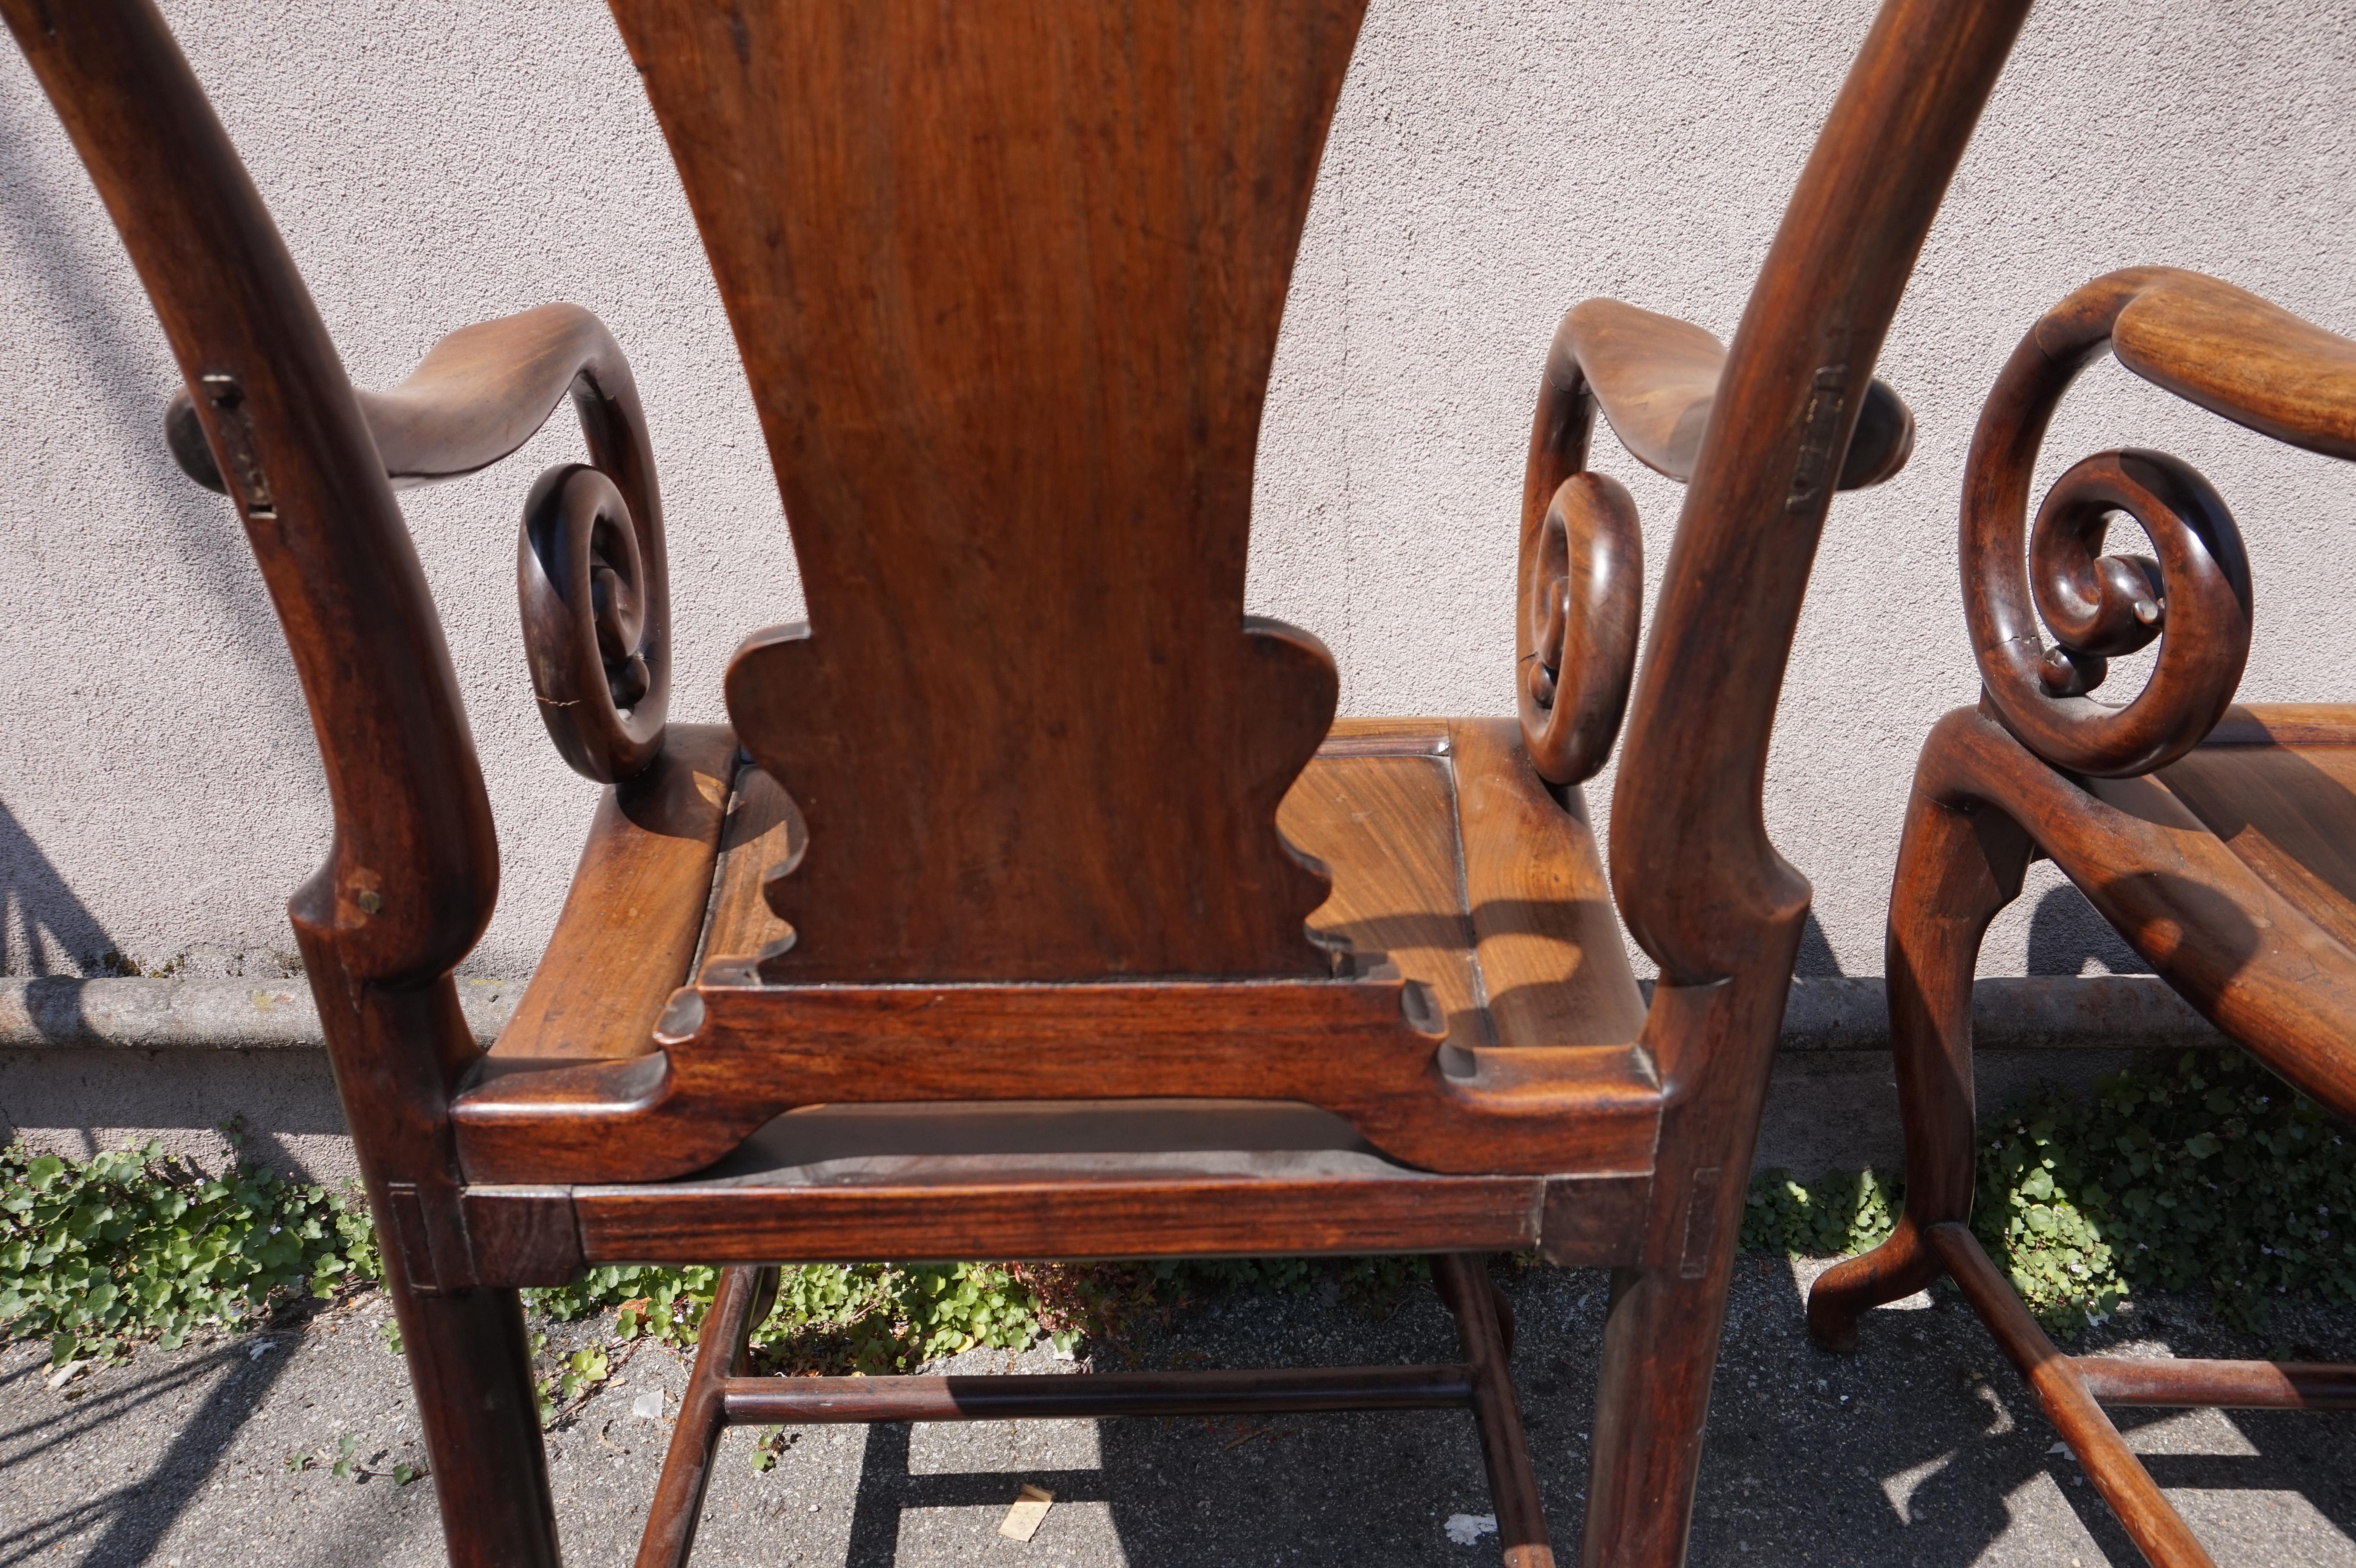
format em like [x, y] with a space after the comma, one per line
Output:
[1020, 471]
[2214, 838]
[1696, 878]
[413, 872]
[1031, 782]
[1582, 572]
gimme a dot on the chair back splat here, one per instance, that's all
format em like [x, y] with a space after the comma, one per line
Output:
[1006, 279]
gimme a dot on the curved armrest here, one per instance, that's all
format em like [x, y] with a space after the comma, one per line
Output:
[2238, 355]
[477, 397]
[1582, 568]
[1656, 378]
[591, 567]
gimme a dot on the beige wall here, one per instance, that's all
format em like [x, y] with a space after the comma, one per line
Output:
[435, 162]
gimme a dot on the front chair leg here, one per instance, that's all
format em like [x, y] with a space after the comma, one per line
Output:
[470, 1365]
[1660, 1349]
[1956, 867]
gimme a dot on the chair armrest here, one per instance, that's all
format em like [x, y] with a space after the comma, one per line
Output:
[1582, 570]
[2239, 355]
[591, 567]
[477, 397]
[1656, 378]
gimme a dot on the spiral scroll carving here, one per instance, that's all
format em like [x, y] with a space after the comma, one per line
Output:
[1582, 565]
[596, 623]
[2195, 597]
[1581, 581]
[1582, 606]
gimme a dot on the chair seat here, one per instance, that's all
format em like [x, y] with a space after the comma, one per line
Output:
[1445, 850]
[2278, 786]
[1446, 853]
[2231, 870]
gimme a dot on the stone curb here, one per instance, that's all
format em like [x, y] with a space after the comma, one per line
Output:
[2122, 1012]
[56, 1011]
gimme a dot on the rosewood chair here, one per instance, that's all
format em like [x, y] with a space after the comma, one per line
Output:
[2216, 837]
[1031, 903]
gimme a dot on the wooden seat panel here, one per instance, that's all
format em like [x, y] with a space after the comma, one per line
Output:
[2278, 786]
[1448, 857]
[628, 930]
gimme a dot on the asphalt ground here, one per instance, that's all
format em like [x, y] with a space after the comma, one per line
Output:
[1922, 1449]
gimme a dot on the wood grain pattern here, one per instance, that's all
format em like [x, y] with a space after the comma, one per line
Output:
[1021, 569]
[1563, 1090]
[2286, 813]
[1553, 968]
[2188, 1382]
[1582, 567]
[1656, 378]
[1006, 282]
[1155, 1216]
[2241, 357]
[1350, 1046]
[2195, 597]
[635, 913]
[1695, 879]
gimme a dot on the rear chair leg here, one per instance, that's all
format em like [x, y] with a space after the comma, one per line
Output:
[1484, 1326]
[1956, 868]
[742, 1299]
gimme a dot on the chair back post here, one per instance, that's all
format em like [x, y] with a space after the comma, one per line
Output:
[413, 870]
[1696, 879]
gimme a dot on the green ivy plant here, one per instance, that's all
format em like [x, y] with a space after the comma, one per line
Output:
[2212, 1173]
[135, 1244]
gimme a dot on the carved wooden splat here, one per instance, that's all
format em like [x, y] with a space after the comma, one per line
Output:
[1006, 279]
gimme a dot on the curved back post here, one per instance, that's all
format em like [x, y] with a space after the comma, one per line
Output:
[409, 883]
[1696, 878]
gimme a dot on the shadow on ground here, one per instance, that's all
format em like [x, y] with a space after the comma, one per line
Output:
[1921, 1449]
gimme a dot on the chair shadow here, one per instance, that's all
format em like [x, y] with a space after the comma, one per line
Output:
[40, 918]
[139, 1513]
[2065, 932]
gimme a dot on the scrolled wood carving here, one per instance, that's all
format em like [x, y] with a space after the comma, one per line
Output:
[1582, 561]
[594, 623]
[2208, 342]
[591, 567]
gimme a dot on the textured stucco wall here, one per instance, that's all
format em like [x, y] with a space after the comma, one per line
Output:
[434, 162]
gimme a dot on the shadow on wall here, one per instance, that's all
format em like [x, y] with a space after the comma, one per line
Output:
[132, 379]
[2065, 934]
[1815, 959]
[44, 922]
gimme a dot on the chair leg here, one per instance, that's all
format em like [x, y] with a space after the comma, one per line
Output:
[470, 1366]
[2157, 1531]
[1660, 1349]
[1482, 1324]
[1956, 868]
[739, 1303]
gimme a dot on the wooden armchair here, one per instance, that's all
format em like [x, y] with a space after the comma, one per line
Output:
[1031, 904]
[2214, 838]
